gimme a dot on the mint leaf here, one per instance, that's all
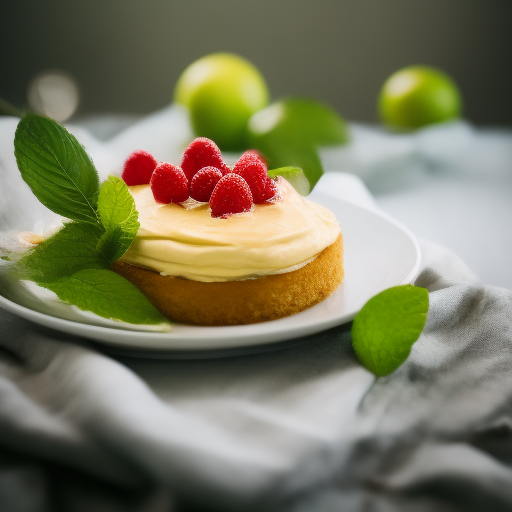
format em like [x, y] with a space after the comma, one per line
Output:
[56, 168]
[118, 215]
[295, 176]
[108, 295]
[70, 265]
[387, 326]
[116, 205]
[71, 249]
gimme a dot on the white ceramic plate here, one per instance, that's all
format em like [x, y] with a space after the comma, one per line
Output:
[379, 253]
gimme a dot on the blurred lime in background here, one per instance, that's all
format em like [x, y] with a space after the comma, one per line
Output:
[417, 96]
[222, 91]
[289, 133]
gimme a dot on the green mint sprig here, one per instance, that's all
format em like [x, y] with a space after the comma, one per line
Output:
[75, 262]
[387, 326]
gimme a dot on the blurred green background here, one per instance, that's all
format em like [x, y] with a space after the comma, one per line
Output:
[126, 55]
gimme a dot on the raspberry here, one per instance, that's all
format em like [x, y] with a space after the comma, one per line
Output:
[203, 183]
[230, 195]
[138, 168]
[169, 184]
[270, 192]
[202, 152]
[254, 172]
[249, 157]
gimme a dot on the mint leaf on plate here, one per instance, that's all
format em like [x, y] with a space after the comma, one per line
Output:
[56, 168]
[387, 326]
[118, 215]
[71, 249]
[108, 295]
[69, 264]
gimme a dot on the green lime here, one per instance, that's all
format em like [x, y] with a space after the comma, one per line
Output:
[221, 91]
[418, 96]
[290, 131]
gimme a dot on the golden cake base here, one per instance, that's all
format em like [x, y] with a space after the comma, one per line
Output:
[240, 302]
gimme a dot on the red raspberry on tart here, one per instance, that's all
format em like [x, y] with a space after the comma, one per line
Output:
[203, 183]
[202, 152]
[169, 184]
[254, 172]
[231, 195]
[248, 157]
[138, 168]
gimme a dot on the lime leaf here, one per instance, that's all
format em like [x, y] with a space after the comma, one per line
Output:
[108, 295]
[293, 175]
[71, 249]
[118, 215]
[290, 131]
[304, 119]
[387, 326]
[56, 168]
[292, 153]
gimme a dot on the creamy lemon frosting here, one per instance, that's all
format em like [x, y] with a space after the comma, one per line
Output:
[190, 243]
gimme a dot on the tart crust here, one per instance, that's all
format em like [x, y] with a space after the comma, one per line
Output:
[240, 302]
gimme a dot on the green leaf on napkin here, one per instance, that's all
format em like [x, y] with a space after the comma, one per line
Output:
[57, 168]
[118, 215]
[387, 326]
[108, 295]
